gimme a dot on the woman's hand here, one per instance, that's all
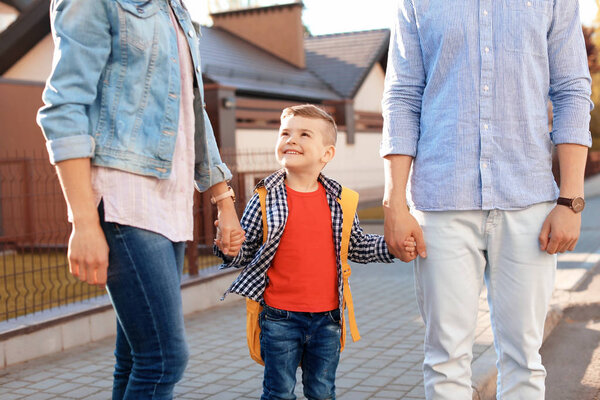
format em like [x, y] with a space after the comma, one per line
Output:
[88, 253]
[230, 235]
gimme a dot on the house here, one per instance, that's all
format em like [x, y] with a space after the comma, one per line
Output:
[255, 62]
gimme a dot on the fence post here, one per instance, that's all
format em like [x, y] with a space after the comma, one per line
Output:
[27, 202]
[192, 246]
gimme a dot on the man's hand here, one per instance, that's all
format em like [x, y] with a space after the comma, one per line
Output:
[88, 253]
[230, 234]
[400, 227]
[560, 231]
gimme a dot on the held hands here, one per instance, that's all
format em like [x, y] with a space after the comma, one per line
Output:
[230, 235]
[560, 231]
[403, 234]
[88, 253]
[236, 239]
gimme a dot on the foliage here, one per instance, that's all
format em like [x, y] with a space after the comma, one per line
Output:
[592, 44]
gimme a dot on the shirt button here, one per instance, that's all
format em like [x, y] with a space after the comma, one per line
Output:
[198, 70]
[486, 88]
[528, 4]
[485, 12]
[485, 126]
[487, 49]
[484, 165]
[191, 33]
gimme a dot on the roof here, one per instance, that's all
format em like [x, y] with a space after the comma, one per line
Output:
[231, 61]
[248, 10]
[343, 60]
[336, 65]
[25, 32]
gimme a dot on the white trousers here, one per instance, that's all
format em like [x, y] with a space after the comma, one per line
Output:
[464, 249]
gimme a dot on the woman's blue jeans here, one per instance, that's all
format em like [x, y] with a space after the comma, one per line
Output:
[290, 338]
[143, 283]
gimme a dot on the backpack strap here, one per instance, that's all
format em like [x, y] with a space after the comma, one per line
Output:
[262, 196]
[349, 203]
[253, 308]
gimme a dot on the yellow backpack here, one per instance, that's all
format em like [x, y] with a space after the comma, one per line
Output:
[349, 202]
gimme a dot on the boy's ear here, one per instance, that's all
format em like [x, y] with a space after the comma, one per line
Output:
[328, 154]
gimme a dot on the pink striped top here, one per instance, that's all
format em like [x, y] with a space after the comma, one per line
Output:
[159, 205]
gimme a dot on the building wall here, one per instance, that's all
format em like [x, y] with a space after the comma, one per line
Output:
[370, 93]
[32, 210]
[36, 65]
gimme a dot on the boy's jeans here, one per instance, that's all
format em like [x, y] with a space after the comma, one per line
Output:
[143, 281]
[288, 338]
[464, 248]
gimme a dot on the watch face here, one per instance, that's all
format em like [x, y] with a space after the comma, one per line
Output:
[578, 204]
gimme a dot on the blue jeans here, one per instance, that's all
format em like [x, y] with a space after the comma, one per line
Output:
[143, 283]
[288, 339]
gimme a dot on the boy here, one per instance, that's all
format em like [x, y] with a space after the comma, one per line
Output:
[296, 274]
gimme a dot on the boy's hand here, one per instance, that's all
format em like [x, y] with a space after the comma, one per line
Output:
[410, 247]
[235, 244]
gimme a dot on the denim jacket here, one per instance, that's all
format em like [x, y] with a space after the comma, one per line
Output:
[114, 91]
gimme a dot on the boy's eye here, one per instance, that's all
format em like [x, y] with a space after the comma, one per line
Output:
[305, 134]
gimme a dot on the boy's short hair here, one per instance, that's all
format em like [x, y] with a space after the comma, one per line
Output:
[312, 111]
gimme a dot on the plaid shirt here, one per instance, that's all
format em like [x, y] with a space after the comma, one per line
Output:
[255, 256]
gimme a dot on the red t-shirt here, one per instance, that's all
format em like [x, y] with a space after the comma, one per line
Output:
[303, 273]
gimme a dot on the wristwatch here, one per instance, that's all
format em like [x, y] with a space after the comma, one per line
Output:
[228, 193]
[576, 204]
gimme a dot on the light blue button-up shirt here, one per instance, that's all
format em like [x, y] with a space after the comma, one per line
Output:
[466, 94]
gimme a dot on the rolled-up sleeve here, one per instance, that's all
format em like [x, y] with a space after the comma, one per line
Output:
[82, 43]
[570, 82]
[404, 85]
[210, 169]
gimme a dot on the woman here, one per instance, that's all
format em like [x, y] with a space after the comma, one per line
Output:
[121, 128]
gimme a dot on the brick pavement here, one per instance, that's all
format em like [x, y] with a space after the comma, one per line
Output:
[385, 364]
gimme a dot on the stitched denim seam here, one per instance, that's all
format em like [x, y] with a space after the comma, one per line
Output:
[160, 346]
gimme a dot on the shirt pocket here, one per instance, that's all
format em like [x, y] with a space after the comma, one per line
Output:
[135, 20]
[525, 26]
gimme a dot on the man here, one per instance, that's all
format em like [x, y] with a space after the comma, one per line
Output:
[465, 104]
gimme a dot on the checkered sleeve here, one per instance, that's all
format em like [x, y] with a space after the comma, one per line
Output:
[251, 223]
[365, 247]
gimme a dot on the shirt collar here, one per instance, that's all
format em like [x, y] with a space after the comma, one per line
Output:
[277, 179]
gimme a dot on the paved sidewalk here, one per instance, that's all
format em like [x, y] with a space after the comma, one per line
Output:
[385, 364]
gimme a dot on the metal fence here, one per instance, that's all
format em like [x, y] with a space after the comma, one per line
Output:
[34, 232]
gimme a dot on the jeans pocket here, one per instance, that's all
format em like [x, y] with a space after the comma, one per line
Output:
[335, 316]
[525, 26]
[275, 314]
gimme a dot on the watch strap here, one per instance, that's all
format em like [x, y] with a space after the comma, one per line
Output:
[228, 193]
[564, 201]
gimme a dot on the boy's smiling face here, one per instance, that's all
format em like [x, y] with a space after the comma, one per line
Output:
[301, 146]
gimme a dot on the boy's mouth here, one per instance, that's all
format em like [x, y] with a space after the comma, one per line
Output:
[293, 152]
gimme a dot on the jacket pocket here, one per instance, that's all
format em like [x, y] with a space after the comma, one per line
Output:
[525, 26]
[137, 24]
[139, 8]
